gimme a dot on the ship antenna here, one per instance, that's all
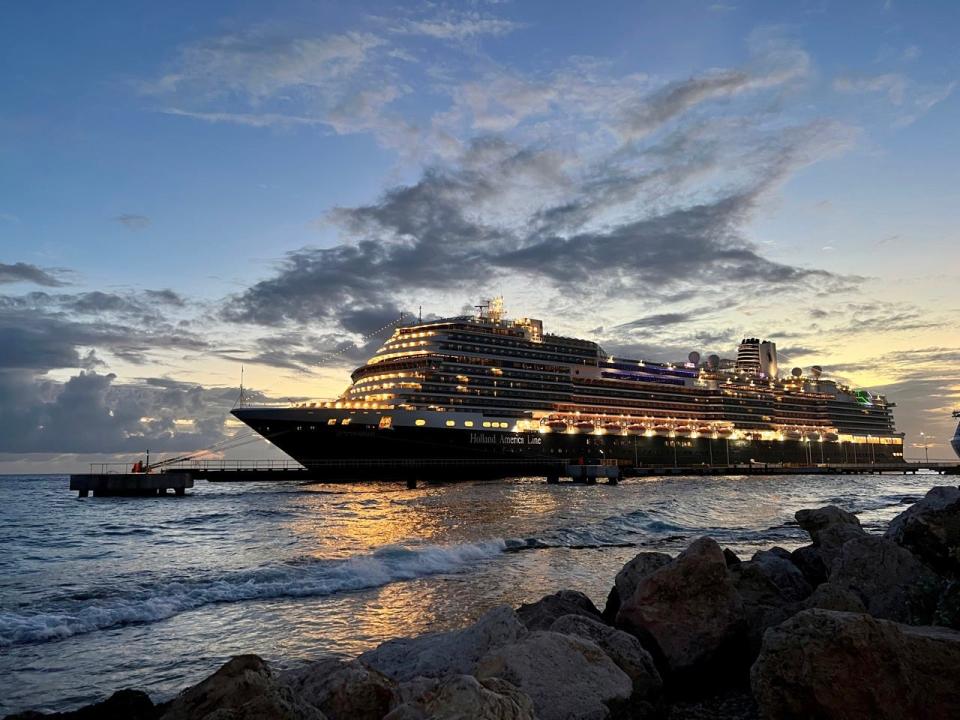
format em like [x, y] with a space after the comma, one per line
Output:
[420, 315]
[239, 401]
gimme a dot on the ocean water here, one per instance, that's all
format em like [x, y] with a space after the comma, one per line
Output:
[97, 594]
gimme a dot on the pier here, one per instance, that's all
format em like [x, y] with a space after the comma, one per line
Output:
[123, 484]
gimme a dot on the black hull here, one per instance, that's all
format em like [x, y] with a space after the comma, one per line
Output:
[368, 452]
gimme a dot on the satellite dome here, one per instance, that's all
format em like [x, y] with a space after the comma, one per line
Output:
[694, 358]
[797, 372]
[816, 371]
[713, 362]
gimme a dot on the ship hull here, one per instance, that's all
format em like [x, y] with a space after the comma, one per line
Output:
[955, 441]
[364, 450]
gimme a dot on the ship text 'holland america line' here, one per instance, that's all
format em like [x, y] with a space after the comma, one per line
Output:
[490, 391]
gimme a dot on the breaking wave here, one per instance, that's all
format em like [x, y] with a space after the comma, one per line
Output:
[321, 577]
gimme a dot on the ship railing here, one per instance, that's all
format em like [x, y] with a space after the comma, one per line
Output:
[221, 464]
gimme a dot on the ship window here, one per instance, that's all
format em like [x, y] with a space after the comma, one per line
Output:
[386, 421]
[332, 421]
[346, 421]
[487, 423]
[420, 421]
[468, 423]
[450, 423]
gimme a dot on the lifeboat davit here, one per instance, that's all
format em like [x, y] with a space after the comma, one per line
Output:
[832, 437]
[813, 436]
[584, 425]
[557, 425]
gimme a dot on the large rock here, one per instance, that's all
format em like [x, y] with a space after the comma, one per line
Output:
[889, 580]
[541, 614]
[688, 611]
[829, 527]
[770, 586]
[825, 664]
[438, 654]
[463, 697]
[930, 529]
[629, 577]
[829, 596]
[342, 690]
[243, 689]
[567, 677]
[624, 649]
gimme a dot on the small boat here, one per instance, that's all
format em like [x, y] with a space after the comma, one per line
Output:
[636, 428]
[705, 430]
[585, 425]
[559, 425]
[684, 429]
[662, 429]
[813, 436]
[612, 427]
[832, 437]
[793, 434]
[725, 432]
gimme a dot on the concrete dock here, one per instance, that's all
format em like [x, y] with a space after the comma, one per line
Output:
[131, 484]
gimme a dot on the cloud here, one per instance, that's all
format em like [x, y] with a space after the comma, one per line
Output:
[133, 222]
[454, 25]
[24, 272]
[893, 85]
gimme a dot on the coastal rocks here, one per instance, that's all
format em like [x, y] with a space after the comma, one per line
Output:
[829, 596]
[629, 577]
[565, 676]
[243, 689]
[930, 529]
[541, 614]
[624, 649]
[688, 610]
[439, 654]
[890, 581]
[821, 664]
[463, 697]
[342, 690]
[829, 527]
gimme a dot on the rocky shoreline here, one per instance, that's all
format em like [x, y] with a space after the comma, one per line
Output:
[853, 625]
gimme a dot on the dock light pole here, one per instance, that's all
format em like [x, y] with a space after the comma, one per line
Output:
[925, 444]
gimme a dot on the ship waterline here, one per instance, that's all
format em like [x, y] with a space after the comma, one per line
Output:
[494, 390]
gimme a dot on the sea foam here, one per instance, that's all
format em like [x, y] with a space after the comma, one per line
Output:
[391, 563]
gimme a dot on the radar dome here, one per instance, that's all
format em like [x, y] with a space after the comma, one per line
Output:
[816, 371]
[796, 372]
[694, 358]
[713, 362]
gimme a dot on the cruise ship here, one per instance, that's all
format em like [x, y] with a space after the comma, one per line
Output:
[955, 440]
[492, 394]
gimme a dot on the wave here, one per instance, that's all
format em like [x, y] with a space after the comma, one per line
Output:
[324, 577]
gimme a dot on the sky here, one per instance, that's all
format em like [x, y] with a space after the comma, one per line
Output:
[188, 188]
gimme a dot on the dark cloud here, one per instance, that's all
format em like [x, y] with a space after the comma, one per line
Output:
[24, 272]
[93, 413]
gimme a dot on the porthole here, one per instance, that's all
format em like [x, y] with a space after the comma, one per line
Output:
[420, 422]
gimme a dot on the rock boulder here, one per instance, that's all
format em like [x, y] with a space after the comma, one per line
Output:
[541, 614]
[566, 677]
[243, 689]
[463, 697]
[889, 580]
[930, 529]
[629, 577]
[342, 690]
[826, 664]
[688, 612]
[438, 654]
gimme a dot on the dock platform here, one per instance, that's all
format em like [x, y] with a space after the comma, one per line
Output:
[131, 484]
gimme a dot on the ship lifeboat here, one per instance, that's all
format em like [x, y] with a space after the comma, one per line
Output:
[636, 428]
[662, 429]
[812, 436]
[705, 430]
[612, 427]
[558, 425]
[584, 426]
[725, 432]
[832, 437]
[684, 429]
[793, 434]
